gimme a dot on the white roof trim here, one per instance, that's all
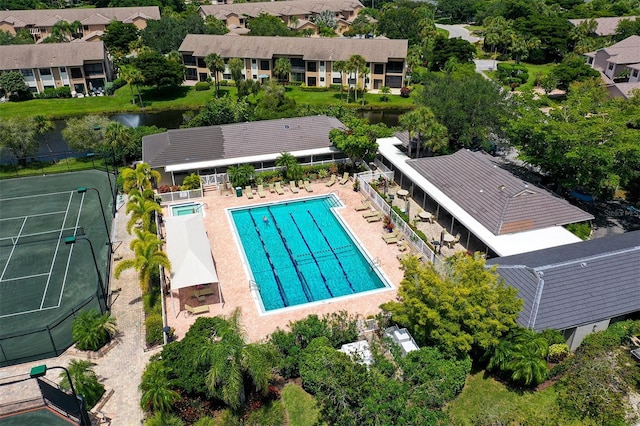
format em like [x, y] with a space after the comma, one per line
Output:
[243, 160]
[502, 245]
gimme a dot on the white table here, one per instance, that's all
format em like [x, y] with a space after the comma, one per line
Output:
[425, 216]
[402, 193]
[448, 238]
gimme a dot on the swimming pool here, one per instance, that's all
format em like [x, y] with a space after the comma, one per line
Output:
[186, 208]
[299, 252]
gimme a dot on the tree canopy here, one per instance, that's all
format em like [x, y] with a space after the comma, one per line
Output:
[268, 25]
[468, 307]
[358, 141]
[158, 70]
[118, 36]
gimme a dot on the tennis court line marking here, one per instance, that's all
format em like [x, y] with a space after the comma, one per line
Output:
[36, 195]
[6, 265]
[32, 311]
[55, 254]
[31, 215]
[24, 277]
[14, 240]
[66, 269]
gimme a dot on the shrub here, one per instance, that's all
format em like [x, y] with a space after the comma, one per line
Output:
[153, 327]
[191, 182]
[63, 92]
[85, 381]
[92, 330]
[558, 352]
[581, 230]
[118, 83]
[405, 92]
[151, 301]
[109, 88]
[202, 86]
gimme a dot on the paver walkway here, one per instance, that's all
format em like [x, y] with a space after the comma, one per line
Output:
[122, 367]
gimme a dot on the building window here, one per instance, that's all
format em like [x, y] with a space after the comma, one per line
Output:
[378, 68]
[192, 74]
[63, 69]
[93, 69]
[635, 73]
[254, 61]
[394, 81]
[264, 65]
[311, 81]
[297, 63]
[26, 73]
[85, 27]
[226, 76]
[297, 76]
[322, 63]
[312, 66]
[590, 60]
[321, 79]
[44, 71]
[188, 59]
[336, 80]
[610, 67]
[395, 67]
[201, 63]
[76, 73]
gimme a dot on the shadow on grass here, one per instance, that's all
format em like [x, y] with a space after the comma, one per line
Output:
[155, 94]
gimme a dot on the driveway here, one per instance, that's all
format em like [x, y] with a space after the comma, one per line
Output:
[459, 31]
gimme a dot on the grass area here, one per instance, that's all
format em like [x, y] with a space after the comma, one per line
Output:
[300, 405]
[38, 168]
[486, 401]
[181, 98]
[535, 70]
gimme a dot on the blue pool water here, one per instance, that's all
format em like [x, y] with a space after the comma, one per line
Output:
[184, 209]
[300, 253]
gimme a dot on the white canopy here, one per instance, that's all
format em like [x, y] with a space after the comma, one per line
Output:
[189, 252]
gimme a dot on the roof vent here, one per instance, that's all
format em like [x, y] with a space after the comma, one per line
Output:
[286, 126]
[501, 188]
[583, 264]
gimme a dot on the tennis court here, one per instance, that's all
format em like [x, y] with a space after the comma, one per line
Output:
[44, 279]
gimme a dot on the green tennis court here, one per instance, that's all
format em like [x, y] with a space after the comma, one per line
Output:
[44, 278]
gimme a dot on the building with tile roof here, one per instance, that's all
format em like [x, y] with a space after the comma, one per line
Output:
[297, 14]
[312, 59]
[81, 66]
[482, 201]
[40, 22]
[615, 61]
[576, 288]
[604, 26]
[210, 150]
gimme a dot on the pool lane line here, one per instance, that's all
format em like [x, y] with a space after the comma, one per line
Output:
[346, 277]
[303, 282]
[313, 256]
[283, 296]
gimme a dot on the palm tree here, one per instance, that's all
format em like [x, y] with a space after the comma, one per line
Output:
[155, 387]
[85, 381]
[148, 258]
[341, 67]
[233, 363]
[118, 137]
[215, 63]
[282, 69]
[91, 330]
[241, 175]
[139, 178]
[133, 76]
[236, 65]
[364, 72]
[357, 62]
[141, 208]
[429, 132]
[289, 166]
[293, 22]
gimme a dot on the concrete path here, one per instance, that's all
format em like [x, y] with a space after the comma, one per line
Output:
[459, 31]
[121, 368]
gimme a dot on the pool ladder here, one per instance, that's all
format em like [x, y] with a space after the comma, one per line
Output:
[374, 263]
[254, 285]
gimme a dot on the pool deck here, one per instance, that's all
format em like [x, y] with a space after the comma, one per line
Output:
[234, 281]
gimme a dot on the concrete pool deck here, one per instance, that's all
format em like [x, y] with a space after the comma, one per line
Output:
[234, 282]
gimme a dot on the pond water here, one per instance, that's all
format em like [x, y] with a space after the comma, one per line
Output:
[173, 120]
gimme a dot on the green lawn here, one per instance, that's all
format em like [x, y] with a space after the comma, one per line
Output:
[533, 71]
[8, 171]
[484, 399]
[300, 405]
[182, 98]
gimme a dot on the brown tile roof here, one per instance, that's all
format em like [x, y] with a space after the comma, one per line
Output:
[48, 17]
[50, 55]
[238, 140]
[606, 26]
[279, 8]
[327, 49]
[499, 200]
[626, 51]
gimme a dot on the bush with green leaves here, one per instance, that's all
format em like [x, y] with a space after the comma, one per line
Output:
[512, 73]
[339, 328]
[163, 419]
[202, 86]
[558, 352]
[153, 329]
[85, 381]
[91, 330]
[191, 182]
[157, 388]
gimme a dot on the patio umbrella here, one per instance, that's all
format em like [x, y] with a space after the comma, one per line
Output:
[406, 208]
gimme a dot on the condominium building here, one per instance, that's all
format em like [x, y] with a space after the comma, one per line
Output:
[41, 21]
[312, 59]
[81, 66]
[297, 14]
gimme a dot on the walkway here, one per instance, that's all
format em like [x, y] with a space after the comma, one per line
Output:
[459, 31]
[121, 368]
